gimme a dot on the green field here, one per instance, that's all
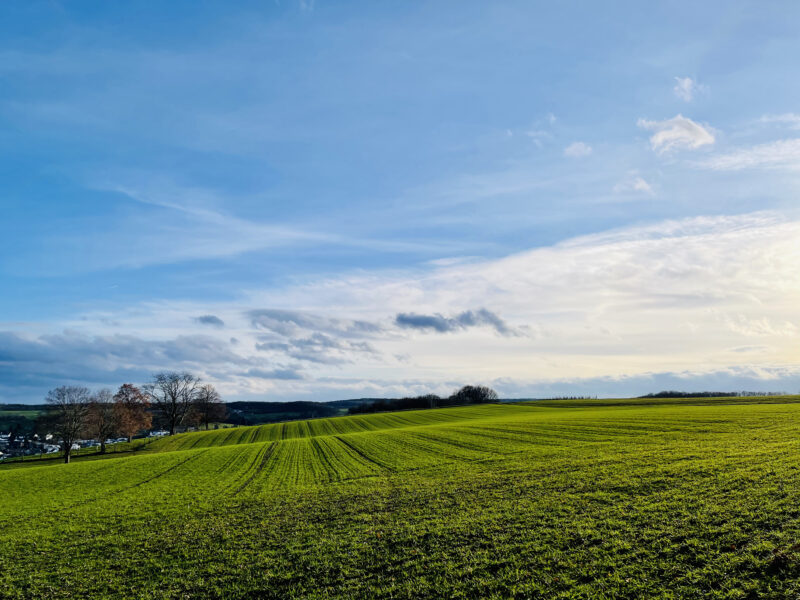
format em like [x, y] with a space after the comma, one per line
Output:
[579, 499]
[30, 414]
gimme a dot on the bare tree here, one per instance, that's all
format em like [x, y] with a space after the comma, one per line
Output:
[131, 410]
[69, 405]
[171, 394]
[473, 394]
[208, 405]
[101, 418]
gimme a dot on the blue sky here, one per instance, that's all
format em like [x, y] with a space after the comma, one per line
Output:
[313, 200]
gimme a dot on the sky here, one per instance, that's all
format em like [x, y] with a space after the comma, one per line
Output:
[320, 200]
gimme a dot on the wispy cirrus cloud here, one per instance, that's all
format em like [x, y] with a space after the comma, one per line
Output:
[781, 154]
[318, 348]
[160, 222]
[791, 120]
[290, 322]
[314, 338]
[759, 327]
[279, 374]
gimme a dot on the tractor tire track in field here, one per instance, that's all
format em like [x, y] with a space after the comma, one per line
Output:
[268, 452]
[252, 465]
[358, 451]
[227, 464]
[193, 444]
[164, 472]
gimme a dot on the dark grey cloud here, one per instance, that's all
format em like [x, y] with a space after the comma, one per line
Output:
[211, 320]
[465, 320]
[435, 322]
[29, 366]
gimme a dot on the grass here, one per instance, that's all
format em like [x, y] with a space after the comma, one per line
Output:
[31, 414]
[83, 454]
[579, 499]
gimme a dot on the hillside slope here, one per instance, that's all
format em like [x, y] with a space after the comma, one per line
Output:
[656, 501]
[335, 426]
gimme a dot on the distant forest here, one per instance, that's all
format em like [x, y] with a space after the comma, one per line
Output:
[743, 394]
[255, 413]
[469, 394]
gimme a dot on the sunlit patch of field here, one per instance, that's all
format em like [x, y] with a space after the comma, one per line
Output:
[574, 500]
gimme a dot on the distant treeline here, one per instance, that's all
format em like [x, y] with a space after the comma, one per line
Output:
[563, 398]
[469, 394]
[742, 394]
[254, 413]
[20, 419]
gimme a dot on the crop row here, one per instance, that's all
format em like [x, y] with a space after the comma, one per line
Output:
[504, 501]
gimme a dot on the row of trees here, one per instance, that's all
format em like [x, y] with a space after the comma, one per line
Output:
[742, 394]
[469, 394]
[174, 398]
[179, 398]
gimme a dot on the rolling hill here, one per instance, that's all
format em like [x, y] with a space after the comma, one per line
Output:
[574, 499]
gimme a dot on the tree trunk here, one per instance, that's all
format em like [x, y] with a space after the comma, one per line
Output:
[103, 447]
[66, 454]
[172, 428]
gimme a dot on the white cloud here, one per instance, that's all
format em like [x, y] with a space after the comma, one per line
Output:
[541, 129]
[538, 136]
[634, 184]
[165, 223]
[790, 119]
[674, 296]
[782, 154]
[538, 133]
[577, 150]
[686, 88]
[758, 327]
[677, 133]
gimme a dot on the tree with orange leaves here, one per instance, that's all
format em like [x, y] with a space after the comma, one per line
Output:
[132, 410]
